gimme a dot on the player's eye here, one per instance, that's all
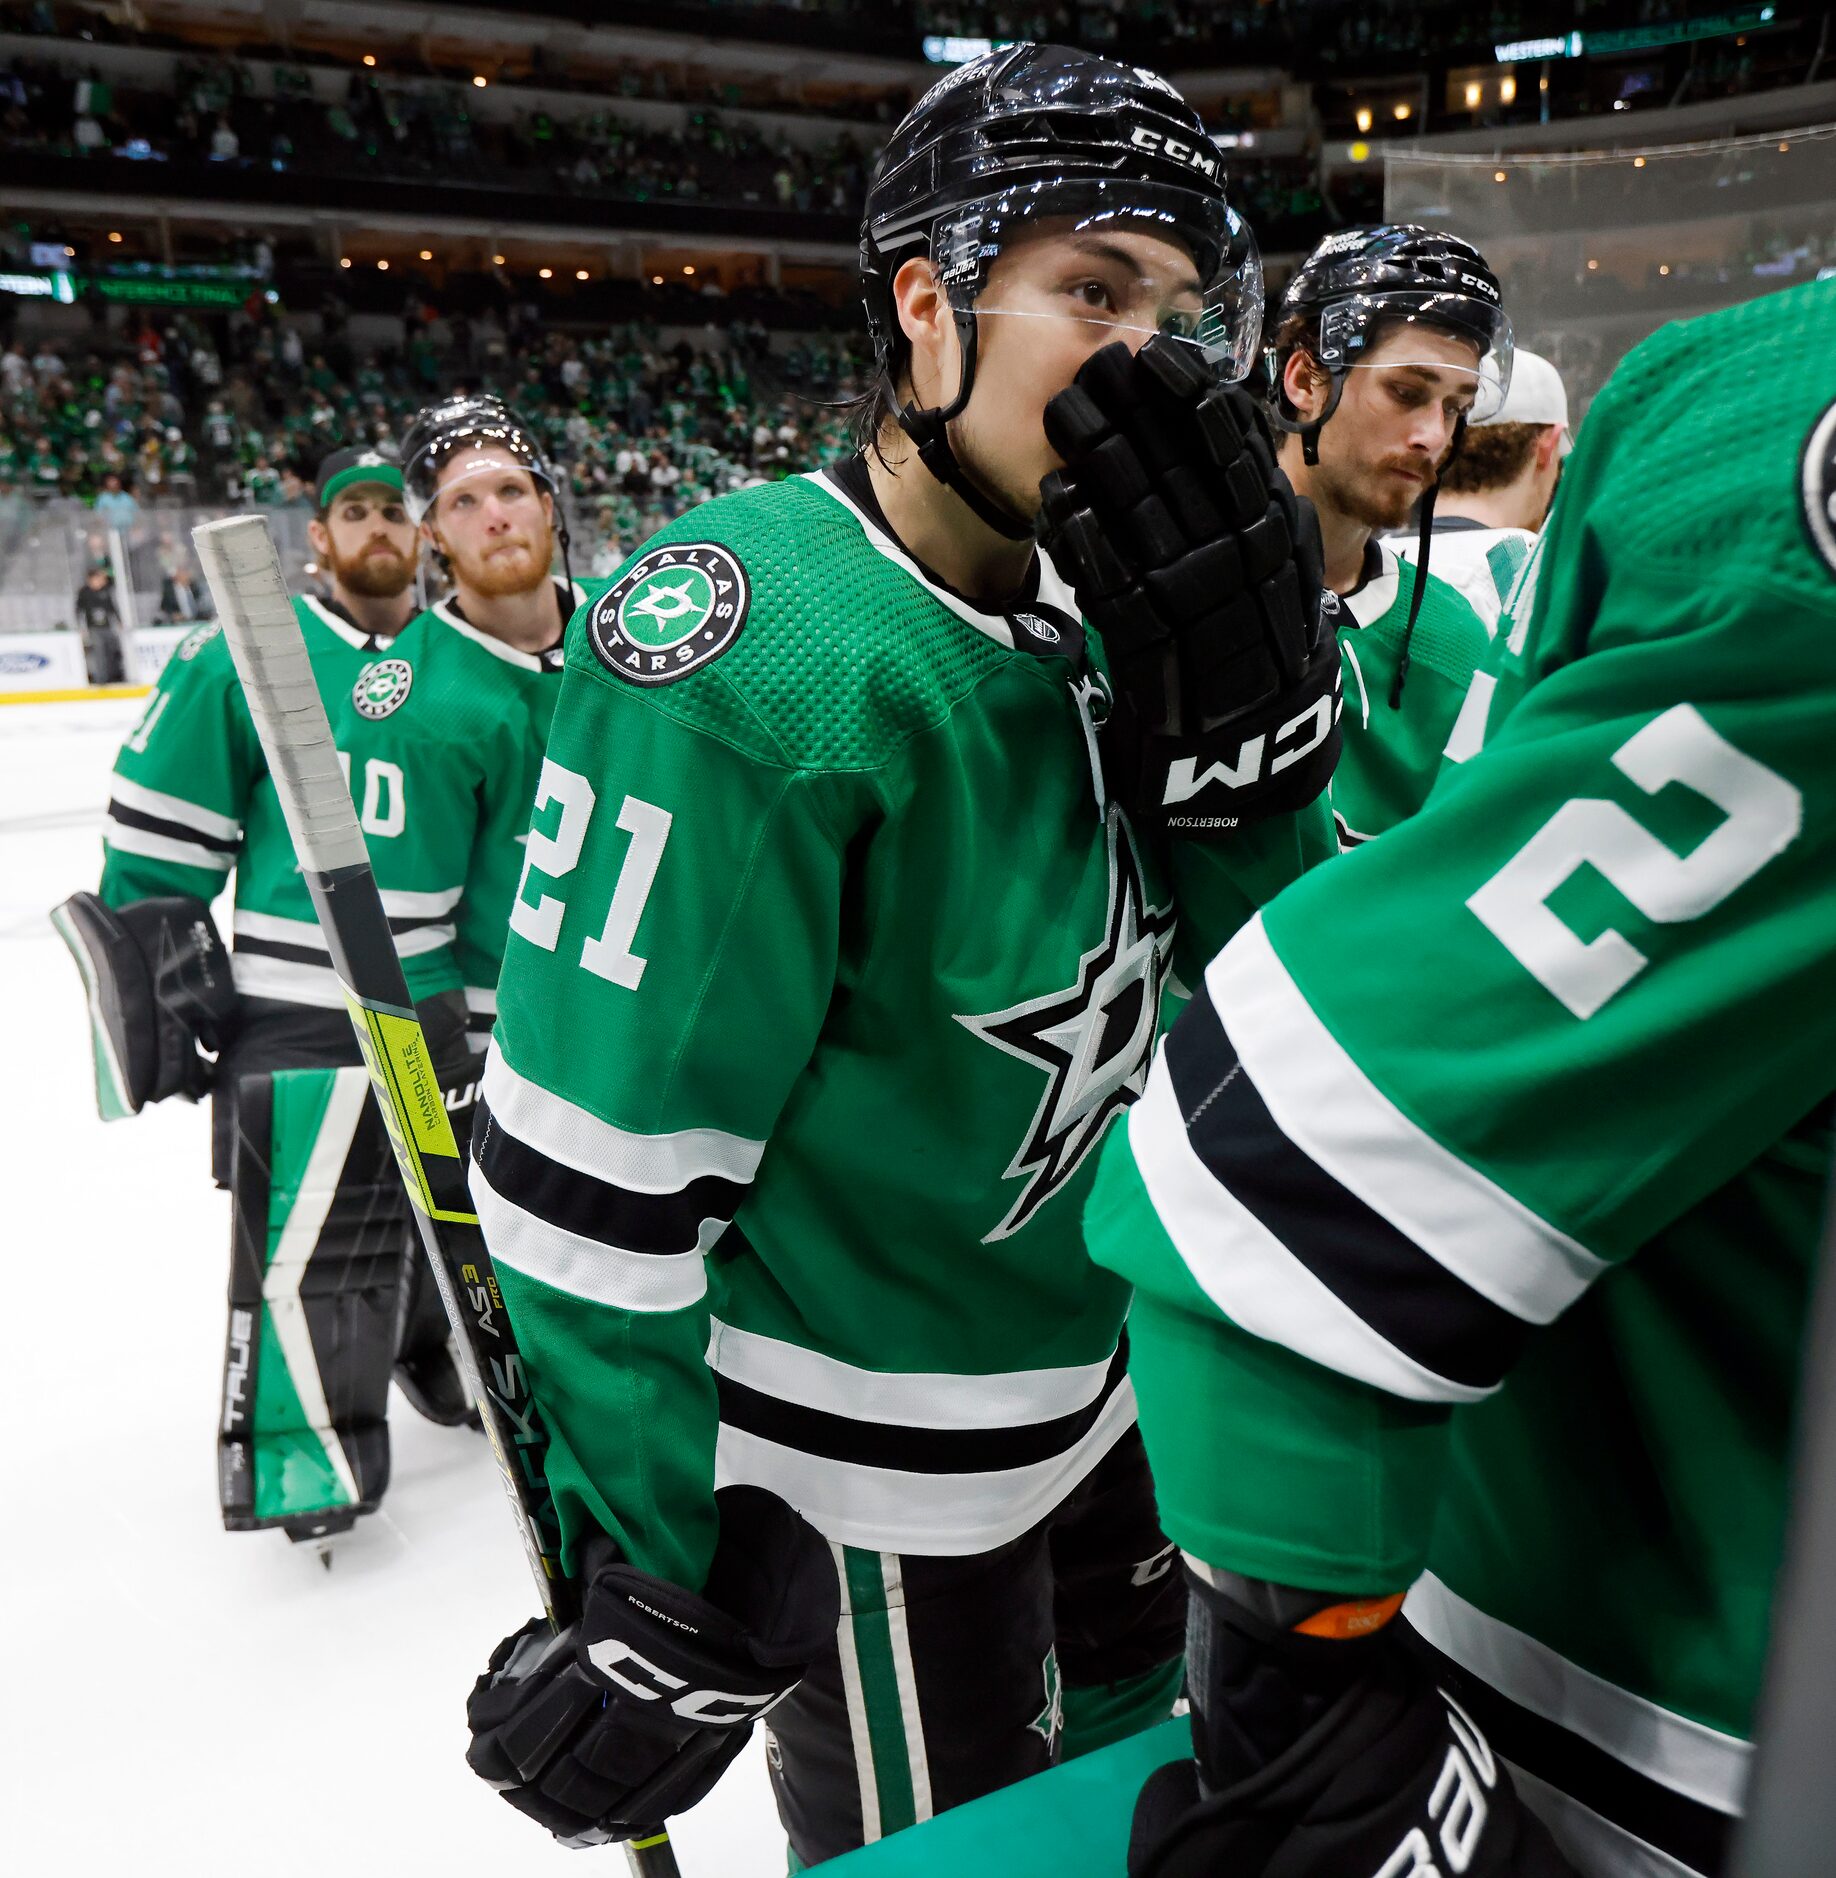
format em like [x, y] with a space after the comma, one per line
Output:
[1409, 396]
[1094, 295]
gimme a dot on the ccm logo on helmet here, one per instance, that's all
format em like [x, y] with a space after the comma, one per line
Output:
[696, 1705]
[1291, 742]
[1175, 147]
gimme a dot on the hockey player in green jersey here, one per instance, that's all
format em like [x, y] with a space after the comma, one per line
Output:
[451, 725]
[1485, 1279]
[318, 1219]
[1388, 343]
[458, 714]
[835, 954]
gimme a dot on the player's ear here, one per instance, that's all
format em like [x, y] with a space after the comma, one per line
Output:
[1304, 383]
[320, 537]
[929, 325]
[1548, 442]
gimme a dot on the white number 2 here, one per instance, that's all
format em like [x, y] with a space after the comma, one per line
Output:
[557, 855]
[1763, 812]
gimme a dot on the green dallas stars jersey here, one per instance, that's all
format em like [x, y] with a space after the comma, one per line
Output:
[1539, 1084]
[447, 731]
[827, 972]
[191, 801]
[1393, 751]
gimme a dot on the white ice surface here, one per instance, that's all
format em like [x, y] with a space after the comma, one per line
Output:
[175, 1698]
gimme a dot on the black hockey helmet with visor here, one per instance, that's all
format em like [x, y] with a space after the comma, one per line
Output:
[1362, 285]
[455, 425]
[1037, 136]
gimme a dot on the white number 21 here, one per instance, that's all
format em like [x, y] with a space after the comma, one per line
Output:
[557, 855]
[1762, 810]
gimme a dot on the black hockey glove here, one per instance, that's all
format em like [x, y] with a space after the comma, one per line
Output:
[632, 1714]
[1202, 572]
[1378, 1771]
[158, 981]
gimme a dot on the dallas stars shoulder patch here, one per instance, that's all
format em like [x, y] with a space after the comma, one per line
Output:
[382, 689]
[673, 611]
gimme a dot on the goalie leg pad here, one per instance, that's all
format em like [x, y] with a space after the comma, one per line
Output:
[157, 979]
[315, 1292]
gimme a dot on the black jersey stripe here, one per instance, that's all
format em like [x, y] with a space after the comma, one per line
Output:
[281, 949]
[1696, 1834]
[173, 831]
[898, 1445]
[590, 1208]
[1408, 1298]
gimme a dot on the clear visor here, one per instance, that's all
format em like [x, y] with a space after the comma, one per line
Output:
[465, 459]
[1115, 260]
[1440, 340]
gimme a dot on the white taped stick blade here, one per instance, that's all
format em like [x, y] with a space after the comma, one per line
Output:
[269, 650]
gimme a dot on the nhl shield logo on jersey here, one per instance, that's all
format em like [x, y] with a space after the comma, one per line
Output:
[1817, 483]
[675, 610]
[382, 689]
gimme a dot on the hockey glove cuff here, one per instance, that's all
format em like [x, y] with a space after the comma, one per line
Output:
[1202, 572]
[631, 1714]
[1319, 1755]
[160, 993]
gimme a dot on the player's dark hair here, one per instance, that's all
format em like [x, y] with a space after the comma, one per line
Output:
[1492, 457]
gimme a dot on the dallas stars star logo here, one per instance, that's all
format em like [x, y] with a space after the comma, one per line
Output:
[1092, 1039]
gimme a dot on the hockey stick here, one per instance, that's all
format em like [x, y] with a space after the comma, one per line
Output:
[239, 562]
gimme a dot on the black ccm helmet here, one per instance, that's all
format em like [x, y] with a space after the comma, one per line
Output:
[1359, 286]
[442, 430]
[1361, 283]
[1035, 131]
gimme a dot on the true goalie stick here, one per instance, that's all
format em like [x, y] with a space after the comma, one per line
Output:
[265, 642]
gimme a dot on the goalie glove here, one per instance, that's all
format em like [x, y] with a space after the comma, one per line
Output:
[1328, 1751]
[158, 983]
[1201, 570]
[632, 1713]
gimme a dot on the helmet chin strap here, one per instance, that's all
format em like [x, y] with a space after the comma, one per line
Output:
[1421, 564]
[929, 430]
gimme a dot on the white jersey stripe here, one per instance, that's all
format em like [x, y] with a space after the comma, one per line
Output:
[404, 904]
[286, 982]
[1249, 1274]
[565, 1132]
[885, 1509]
[854, 1698]
[911, 1720]
[791, 1373]
[420, 939]
[144, 841]
[1690, 1758]
[1330, 1109]
[477, 998]
[133, 795]
[589, 1268]
[249, 924]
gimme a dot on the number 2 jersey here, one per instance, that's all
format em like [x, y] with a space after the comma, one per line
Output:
[829, 967]
[1472, 1204]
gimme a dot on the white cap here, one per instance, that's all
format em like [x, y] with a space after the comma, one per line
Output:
[1536, 396]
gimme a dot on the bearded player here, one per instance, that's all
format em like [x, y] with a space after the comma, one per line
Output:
[455, 719]
[1487, 1282]
[846, 913]
[318, 1221]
